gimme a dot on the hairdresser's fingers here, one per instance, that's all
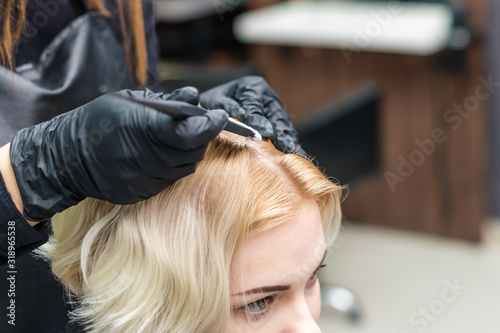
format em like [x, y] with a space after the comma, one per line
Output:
[186, 94]
[144, 94]
[198, 131]
[222, 102]
[173, 158]
[141, 191]
[254, 106]
[261, 124]
[285, 137]
[251, 100]
[179, 172]
[261, 101]
[191, 132]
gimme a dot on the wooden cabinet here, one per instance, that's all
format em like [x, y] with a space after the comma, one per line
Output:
[432, 125]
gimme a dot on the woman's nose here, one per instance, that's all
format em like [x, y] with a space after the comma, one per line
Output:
[309, 326]
[301, 319]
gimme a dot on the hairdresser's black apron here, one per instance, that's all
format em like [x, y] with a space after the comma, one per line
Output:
[81, 58]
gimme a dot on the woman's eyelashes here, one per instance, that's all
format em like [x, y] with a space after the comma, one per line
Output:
[314, 277]
[258, 308]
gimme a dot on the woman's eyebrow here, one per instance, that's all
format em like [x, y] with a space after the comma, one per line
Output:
[270, 289]
[261, 290]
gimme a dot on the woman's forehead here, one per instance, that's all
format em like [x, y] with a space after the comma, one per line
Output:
[285, 254]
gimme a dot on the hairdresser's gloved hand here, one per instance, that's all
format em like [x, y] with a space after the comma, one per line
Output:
[252, 101]
[109, 149]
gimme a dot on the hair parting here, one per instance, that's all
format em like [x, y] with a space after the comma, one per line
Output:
[164, 264]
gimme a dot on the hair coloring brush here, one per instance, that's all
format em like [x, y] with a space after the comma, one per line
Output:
[182, 110]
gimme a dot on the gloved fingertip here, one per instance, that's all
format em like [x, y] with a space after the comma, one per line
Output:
[266, 129]
[237, 111]
[186, 94]
[289, 145]
[146, 92]
[301, 152]
[232, 107]
[218, 117]
[261, 124]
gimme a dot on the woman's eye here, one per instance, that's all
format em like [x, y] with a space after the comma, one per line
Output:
[315, 275]
[258, 306]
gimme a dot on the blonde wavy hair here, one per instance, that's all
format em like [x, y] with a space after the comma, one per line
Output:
[163, 265]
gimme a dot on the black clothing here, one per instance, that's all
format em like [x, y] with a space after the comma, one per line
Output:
[111, 149]
[16, 232]
[45, 19]
[59, 68]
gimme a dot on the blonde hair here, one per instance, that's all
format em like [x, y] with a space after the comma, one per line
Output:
[162, 265]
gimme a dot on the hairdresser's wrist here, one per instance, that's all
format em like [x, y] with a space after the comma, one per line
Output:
[9, 179]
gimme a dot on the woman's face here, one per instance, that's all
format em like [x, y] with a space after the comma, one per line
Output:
[274, 284]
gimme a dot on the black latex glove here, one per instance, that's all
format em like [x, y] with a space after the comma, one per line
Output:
[109, 149]
[252, 101]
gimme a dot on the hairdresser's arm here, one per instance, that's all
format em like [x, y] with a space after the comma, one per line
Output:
[251, 100]
[10, 183]
[17, 236]
[110, 149]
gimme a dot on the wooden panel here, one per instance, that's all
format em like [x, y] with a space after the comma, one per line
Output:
[444, 194]
[256, 4]
[467, 152]
[409, 121]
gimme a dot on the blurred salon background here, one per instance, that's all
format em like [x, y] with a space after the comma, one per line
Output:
[398, 100]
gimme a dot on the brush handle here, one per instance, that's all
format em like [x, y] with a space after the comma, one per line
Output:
[236, 127]
[176, 109]
[181, 110]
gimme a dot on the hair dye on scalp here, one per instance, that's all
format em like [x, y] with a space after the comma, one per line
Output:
[163, 264]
